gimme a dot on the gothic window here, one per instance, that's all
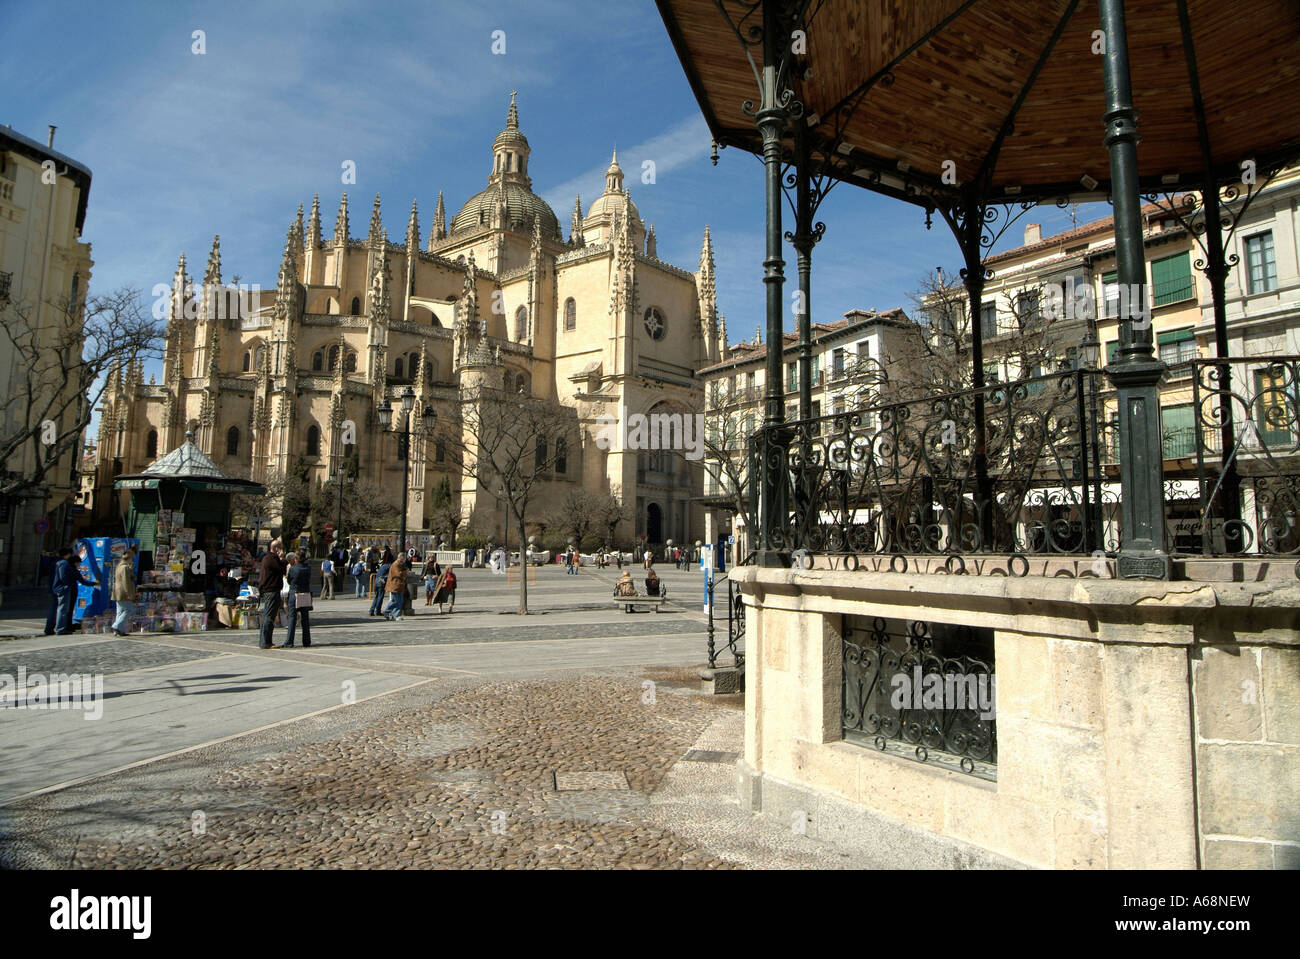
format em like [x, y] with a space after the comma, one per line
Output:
[655, 324]
[570, 314]
[397, 369]
[313, 441]
[248, 360]
[431, 371]
[561, 456]
[356, 306]
[540, 453]
[317, 361]
[521, 384]
[413, 365]
[232, 441]
[151, 445]
[350, 365]
[439, 452]
[521, 323]
[334, 358]
[259, 358]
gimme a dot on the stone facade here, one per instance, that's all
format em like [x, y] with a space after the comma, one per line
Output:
[595, 322]
[1139, 725]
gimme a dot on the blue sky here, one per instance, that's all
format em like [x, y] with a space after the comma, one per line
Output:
[183, 146]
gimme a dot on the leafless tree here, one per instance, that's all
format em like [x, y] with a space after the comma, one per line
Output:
[62, 361]
[731, 416]
[508, 444]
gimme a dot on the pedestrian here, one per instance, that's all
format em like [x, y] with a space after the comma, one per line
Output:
[380, 580]
[300, 603]
[327, 578]
[269, 583]
[358, 578]
[431, 573]
[396, 585]
[387, 556]
[63, 593]
[124, 592]
[625, 587]
[618, 558]
[445, 590]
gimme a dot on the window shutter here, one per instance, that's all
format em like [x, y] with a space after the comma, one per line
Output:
[1171, 279]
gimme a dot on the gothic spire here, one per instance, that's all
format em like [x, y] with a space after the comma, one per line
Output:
[439, 228]
[302, 233]
[212, 275]
[341, 222]
[313, 225]
[288, 262]
[512, 115]
[575, 224]
[377, 234]
[651, 244]
[413, 231]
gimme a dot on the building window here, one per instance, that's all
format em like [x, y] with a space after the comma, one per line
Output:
[988, 320]
[1261, 267]
[540, 453]
[428, 371]
[837, 364]
[1176, 346]
[570, 314]
[356, 306]
[248, 361]
[750, 380]
[313, 441]
[1274, 406]
[151, 445]
[1178, 431]
[1028, 308]
[413, 365]
[334, 358]
[1110, 292]
[1171, 279]
[655, 324]
[232, 441]
[521, 324]
[792, 376]
[521, 384]
[561, 456]
[259, 358]
[439, 452]
[317, 362]
[397, 369]
[350, 365]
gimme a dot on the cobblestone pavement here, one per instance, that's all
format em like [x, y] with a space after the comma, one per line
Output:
[461, 777]
[456, 753]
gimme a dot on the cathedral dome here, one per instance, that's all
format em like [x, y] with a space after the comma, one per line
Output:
[522, 205]
[509, 185]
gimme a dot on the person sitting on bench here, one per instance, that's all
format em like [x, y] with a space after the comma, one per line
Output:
[625, 587]
[651, 582]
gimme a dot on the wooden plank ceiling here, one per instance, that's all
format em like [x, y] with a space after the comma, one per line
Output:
[929, 81]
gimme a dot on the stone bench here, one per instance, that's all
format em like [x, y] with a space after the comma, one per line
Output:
[654, 602]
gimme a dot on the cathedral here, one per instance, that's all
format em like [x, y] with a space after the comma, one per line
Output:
[596, 322]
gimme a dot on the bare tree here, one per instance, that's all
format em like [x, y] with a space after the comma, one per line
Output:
[508, 444]
[446, 517]
[611, 512]
[732, 416]
[574, 513]
[63, 358]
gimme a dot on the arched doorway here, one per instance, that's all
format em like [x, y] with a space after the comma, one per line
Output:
[654, 523]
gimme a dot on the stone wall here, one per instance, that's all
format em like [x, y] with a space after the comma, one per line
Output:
[1139, 725]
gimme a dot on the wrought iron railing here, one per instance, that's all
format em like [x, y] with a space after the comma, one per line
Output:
[914, 477]
[735, 611]
[1246, 413]
[929, 688]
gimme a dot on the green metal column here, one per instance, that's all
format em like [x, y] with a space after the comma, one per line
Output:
[770, 456]
[1136, 371]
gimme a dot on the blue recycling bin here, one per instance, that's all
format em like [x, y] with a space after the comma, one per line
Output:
[97, 560]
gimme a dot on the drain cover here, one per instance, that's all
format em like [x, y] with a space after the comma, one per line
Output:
[709, 756]
[603, 779]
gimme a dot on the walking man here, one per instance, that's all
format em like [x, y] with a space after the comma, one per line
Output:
[124, 592]
[381, 580]
[269, 583]
[358, 578]
[326, 581]
[63, 593]
[396, 589]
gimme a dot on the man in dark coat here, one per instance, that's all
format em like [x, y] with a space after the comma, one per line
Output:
[63, 593]
[269, 582]
[381, 579]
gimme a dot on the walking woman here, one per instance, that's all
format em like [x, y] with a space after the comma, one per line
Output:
[300, 604]
[431, 573]
[124, 592]
[396, 586]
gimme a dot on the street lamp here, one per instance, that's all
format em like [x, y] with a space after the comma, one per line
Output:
[1089, 348]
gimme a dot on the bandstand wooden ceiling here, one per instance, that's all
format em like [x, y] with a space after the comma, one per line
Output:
[1008, 90]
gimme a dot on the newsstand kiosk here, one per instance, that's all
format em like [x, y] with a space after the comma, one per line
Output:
[181, 516]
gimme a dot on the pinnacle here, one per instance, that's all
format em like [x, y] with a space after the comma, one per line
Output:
[512, 116]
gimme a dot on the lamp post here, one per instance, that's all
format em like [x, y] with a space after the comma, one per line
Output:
[427, 419]
[341, 471]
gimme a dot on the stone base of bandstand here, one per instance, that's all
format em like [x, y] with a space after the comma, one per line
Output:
[1139, 724]
[722, 680]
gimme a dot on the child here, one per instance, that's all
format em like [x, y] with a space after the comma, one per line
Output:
[447, 592]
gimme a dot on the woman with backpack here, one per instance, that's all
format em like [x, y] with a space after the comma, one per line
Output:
[300, 602]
